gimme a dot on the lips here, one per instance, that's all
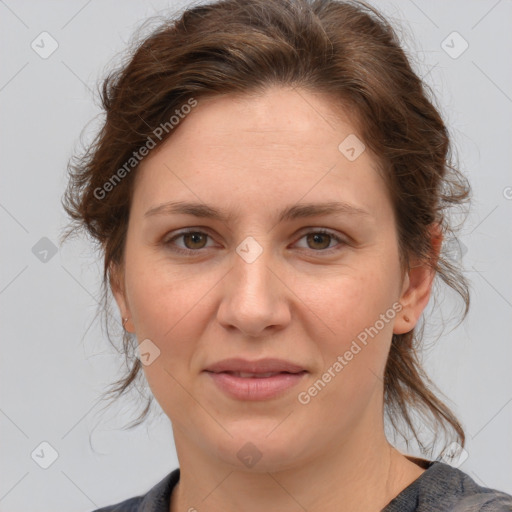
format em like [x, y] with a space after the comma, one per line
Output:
[245, 380]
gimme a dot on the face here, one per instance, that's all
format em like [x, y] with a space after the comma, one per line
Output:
[304, 288]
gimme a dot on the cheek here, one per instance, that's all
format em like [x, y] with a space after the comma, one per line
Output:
[166, 310]
[348, 301]
[168, 305]
[353, 356]
[160, 294]
[354, 323]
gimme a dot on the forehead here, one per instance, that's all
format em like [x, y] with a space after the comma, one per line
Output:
[287, 115]
[261, 149]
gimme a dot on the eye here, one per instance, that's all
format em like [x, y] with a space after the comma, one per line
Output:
[322, 240]
[193, 239]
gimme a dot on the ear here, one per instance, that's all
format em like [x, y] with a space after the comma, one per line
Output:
[116, 279]
[418, 285]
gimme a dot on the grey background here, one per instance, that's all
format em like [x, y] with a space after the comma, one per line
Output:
[55, 359]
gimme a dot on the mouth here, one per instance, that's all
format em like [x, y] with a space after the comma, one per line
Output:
[262, 379]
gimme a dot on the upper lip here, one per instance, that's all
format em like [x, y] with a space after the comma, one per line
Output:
[259, 366]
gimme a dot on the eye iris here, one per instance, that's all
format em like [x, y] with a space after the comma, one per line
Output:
[194, 236]
[316, 236]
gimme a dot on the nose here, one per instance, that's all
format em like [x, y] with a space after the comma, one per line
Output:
[254, 295]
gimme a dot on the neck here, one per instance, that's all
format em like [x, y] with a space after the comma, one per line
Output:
[365, 473]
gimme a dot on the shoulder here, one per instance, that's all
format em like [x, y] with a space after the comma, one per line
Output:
[157, 499]
[445, 488]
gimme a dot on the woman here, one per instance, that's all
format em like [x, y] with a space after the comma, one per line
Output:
[271, 190]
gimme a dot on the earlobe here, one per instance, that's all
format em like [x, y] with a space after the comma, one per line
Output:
[417, 286]
[403, 322]
[415, 297]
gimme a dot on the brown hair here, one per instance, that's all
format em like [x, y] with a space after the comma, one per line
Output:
[345, 49]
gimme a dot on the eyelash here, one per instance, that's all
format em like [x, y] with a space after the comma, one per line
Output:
[180, 250]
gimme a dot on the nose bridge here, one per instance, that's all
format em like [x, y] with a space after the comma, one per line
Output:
[251, 273]
[252, 300]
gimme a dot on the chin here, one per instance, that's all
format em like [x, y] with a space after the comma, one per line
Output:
[260, 447]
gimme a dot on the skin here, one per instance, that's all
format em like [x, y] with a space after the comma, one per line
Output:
[302, 299]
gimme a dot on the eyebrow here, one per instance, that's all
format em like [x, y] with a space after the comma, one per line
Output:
[291, 212]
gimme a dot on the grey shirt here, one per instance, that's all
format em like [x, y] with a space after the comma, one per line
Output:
[440, 488]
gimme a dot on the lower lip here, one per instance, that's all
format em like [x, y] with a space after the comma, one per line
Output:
[249, 388]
